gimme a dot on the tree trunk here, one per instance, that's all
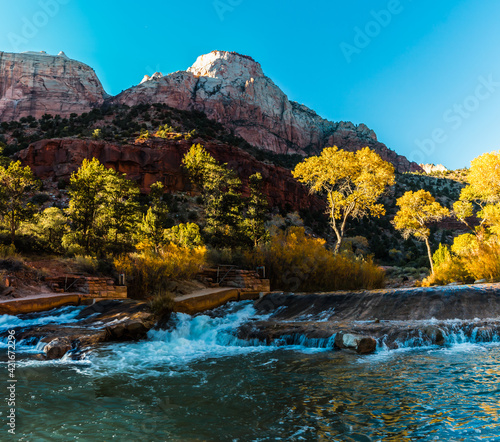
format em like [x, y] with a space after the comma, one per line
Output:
[12, 228]
[430, 254]
[337, 245]
[339, 239]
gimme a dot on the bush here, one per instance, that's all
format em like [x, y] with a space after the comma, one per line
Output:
[227, 256]
[451, 270]
[162, 304]
[8, 251]
[485, 262]
[148, 272]
[472, 259]
[86, 264]
[297, 262]
[441, 255]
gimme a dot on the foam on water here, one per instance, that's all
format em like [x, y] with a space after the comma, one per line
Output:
[56, 316]
[64, 315]
[192, 338]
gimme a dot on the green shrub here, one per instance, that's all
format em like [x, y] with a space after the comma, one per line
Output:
[86, 264]
[162, 304]
[441, 255]
[8, 251]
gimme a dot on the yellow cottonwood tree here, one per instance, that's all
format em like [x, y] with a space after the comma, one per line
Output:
[352, 182]
[483, 190]
[484, 178]
[417, 210]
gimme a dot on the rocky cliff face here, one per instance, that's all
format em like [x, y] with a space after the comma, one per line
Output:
[429, 168]
[233, 90]
[33, 84]
[161, 161]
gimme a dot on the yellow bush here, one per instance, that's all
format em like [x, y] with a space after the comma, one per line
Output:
[297, 262]
[473, 258]
[451, 270]
[148, 272]
[484, 263]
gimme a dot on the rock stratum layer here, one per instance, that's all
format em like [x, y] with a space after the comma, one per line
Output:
[160, 160]
[34, 84]
[228, 87]
[232, 89]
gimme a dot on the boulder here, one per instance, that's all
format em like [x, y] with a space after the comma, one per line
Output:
[361, 344]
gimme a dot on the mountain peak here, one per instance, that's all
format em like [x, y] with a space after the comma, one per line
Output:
[224, 64]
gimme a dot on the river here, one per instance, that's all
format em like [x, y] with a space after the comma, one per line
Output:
[198, 382]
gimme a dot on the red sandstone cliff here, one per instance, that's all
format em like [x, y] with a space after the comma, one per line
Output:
[229, 88]
[161, 161]
[33, 84]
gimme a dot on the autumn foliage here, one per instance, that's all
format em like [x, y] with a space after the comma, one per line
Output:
[352, 182]
[148, 272]
[476, 255]
[297, 262]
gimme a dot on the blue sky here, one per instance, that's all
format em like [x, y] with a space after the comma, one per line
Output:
[424, 75]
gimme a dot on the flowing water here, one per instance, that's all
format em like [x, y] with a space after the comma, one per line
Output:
[197, 382]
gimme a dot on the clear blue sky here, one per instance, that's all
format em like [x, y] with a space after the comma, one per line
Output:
[425, 69]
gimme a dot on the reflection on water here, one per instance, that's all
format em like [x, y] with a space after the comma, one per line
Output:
[203, 385]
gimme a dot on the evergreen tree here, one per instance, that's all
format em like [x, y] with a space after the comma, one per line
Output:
[17, 186]
[257, 207]
[220, 189]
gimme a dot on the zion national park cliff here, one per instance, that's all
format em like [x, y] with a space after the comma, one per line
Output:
[160, 160]
[34, 84]
[229, 88]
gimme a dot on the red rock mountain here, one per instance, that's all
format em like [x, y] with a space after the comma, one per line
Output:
[228, 87]
[35, 83]
[160, 160]
[233, 90]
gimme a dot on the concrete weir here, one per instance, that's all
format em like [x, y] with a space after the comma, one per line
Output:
[39, 303]
[209, 299]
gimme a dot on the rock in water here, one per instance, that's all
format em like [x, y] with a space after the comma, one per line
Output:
[361, 344]
[35, 83]
[105, 321]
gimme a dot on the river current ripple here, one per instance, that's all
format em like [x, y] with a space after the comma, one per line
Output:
[198, 382]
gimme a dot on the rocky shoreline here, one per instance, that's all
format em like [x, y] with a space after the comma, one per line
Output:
[104, 321]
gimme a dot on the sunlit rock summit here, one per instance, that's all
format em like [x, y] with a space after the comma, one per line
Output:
[229, 88]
